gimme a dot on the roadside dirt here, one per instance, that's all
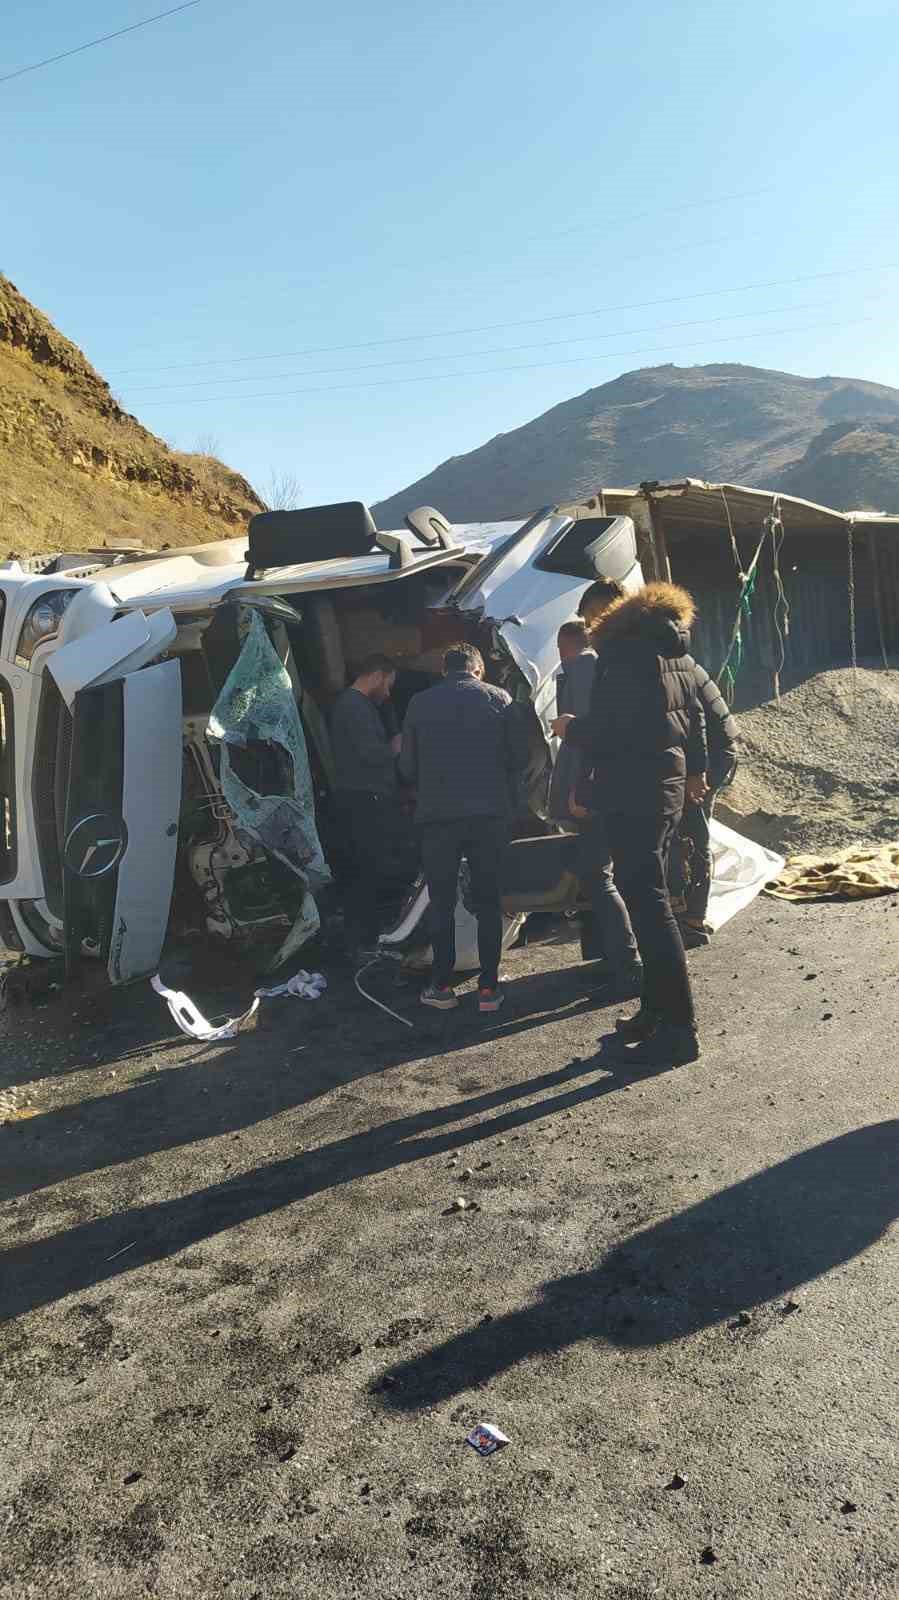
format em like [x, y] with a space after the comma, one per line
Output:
[243, 1342]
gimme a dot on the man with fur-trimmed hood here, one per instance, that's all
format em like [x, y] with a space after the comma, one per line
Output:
[644, 736]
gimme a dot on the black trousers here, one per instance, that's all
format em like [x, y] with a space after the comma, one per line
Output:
[605, 928]
[368, 824]
[482, 842]
[640, 847]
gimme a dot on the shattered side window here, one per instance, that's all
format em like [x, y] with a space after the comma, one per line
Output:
[265, 772]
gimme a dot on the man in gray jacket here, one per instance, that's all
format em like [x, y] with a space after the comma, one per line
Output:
[574, 686]
[464, 742]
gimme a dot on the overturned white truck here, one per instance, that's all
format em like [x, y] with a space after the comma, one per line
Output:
[164, 755]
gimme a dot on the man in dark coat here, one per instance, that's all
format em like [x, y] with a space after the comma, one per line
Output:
[606, 932]
[365, 794]
[644, 736]
[464, 744]
[690, 877]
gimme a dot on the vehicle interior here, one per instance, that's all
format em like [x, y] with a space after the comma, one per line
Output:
[322, 638]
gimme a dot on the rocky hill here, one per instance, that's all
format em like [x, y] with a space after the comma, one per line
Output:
[835, 440]
[76, 471]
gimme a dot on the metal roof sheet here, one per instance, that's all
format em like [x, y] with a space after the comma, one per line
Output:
[692, 504]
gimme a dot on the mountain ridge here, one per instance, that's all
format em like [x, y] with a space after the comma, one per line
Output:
[828, 438]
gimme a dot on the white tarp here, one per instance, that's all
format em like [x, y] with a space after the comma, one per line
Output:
[740, 870]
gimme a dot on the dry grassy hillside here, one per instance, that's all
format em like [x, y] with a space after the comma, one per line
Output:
[76, 471]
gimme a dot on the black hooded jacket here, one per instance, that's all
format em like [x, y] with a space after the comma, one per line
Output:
[645, 731]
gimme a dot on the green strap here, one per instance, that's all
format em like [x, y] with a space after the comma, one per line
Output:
[733, 661]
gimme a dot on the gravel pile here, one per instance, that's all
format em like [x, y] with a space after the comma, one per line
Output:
[819, 769]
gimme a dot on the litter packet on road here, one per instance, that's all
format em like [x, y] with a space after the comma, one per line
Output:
[486, 1439]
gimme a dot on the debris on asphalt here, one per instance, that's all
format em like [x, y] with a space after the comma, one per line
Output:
[744, 1318]
[117, 1253]
[790, 1306]
[486, 1439]
[305, 985]
[132, 1477]
[465, 1174]
[848, 1507]
[192, 1022]
[677, 1482]
[708, 1557]
[461, 1204]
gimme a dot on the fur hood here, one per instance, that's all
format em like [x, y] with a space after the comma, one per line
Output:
[660, 614]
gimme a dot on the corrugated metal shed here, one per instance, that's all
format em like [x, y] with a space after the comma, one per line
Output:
[705, 535]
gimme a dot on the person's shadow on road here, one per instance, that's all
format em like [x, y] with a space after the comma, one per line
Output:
[223, 1089]
[724, 1256]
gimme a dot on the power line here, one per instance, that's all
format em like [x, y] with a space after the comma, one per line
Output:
[643, 216]
[482, 372]
[523, 322]
[298, 289]
[50, 61]
[550, 238]
[509, 349]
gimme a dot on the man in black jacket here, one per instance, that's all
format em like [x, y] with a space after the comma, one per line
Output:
[365, 794]
[464, 742]
[645, 738]
[690, 877]
[606, 932]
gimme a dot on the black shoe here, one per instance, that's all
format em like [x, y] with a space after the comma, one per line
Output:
[642, 1025]
[671, 1045]
[694, 938]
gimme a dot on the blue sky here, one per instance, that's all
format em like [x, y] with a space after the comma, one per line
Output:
[262, 180]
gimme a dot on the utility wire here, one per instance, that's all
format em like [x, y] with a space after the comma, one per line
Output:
[299, 288]
[523, 322]
[50, 61]
[495, 350]
[482, 372]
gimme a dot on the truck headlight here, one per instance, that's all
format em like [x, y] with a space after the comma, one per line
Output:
[42, 623]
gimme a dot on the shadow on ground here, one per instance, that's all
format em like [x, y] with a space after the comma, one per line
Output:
[78, 1258]
[746, 1244]
[221, 1089]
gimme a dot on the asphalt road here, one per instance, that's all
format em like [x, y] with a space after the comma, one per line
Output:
[243, 1342]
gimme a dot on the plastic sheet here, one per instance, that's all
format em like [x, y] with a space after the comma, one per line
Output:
[740, 870]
